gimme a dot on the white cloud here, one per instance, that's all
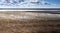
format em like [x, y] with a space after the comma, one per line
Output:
[27, 4]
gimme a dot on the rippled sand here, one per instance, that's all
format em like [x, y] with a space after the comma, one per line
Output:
[29, 22]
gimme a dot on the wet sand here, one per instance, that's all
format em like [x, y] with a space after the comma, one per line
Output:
[29, 22]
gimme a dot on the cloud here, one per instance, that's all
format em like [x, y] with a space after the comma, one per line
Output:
[28, 4]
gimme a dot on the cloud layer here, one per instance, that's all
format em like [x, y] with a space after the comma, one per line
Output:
[27, 4]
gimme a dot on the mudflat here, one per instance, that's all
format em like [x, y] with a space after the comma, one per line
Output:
[29, 22]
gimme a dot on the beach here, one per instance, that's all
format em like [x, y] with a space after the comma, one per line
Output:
[29, 22]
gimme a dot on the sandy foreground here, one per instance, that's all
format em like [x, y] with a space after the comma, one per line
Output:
[29, 22]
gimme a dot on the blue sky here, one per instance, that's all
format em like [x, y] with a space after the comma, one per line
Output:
[38, 6]
[53, 1]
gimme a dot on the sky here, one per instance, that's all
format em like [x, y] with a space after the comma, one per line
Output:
[53, 1]
[53, 4]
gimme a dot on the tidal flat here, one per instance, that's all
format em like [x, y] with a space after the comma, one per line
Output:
[29, 22]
